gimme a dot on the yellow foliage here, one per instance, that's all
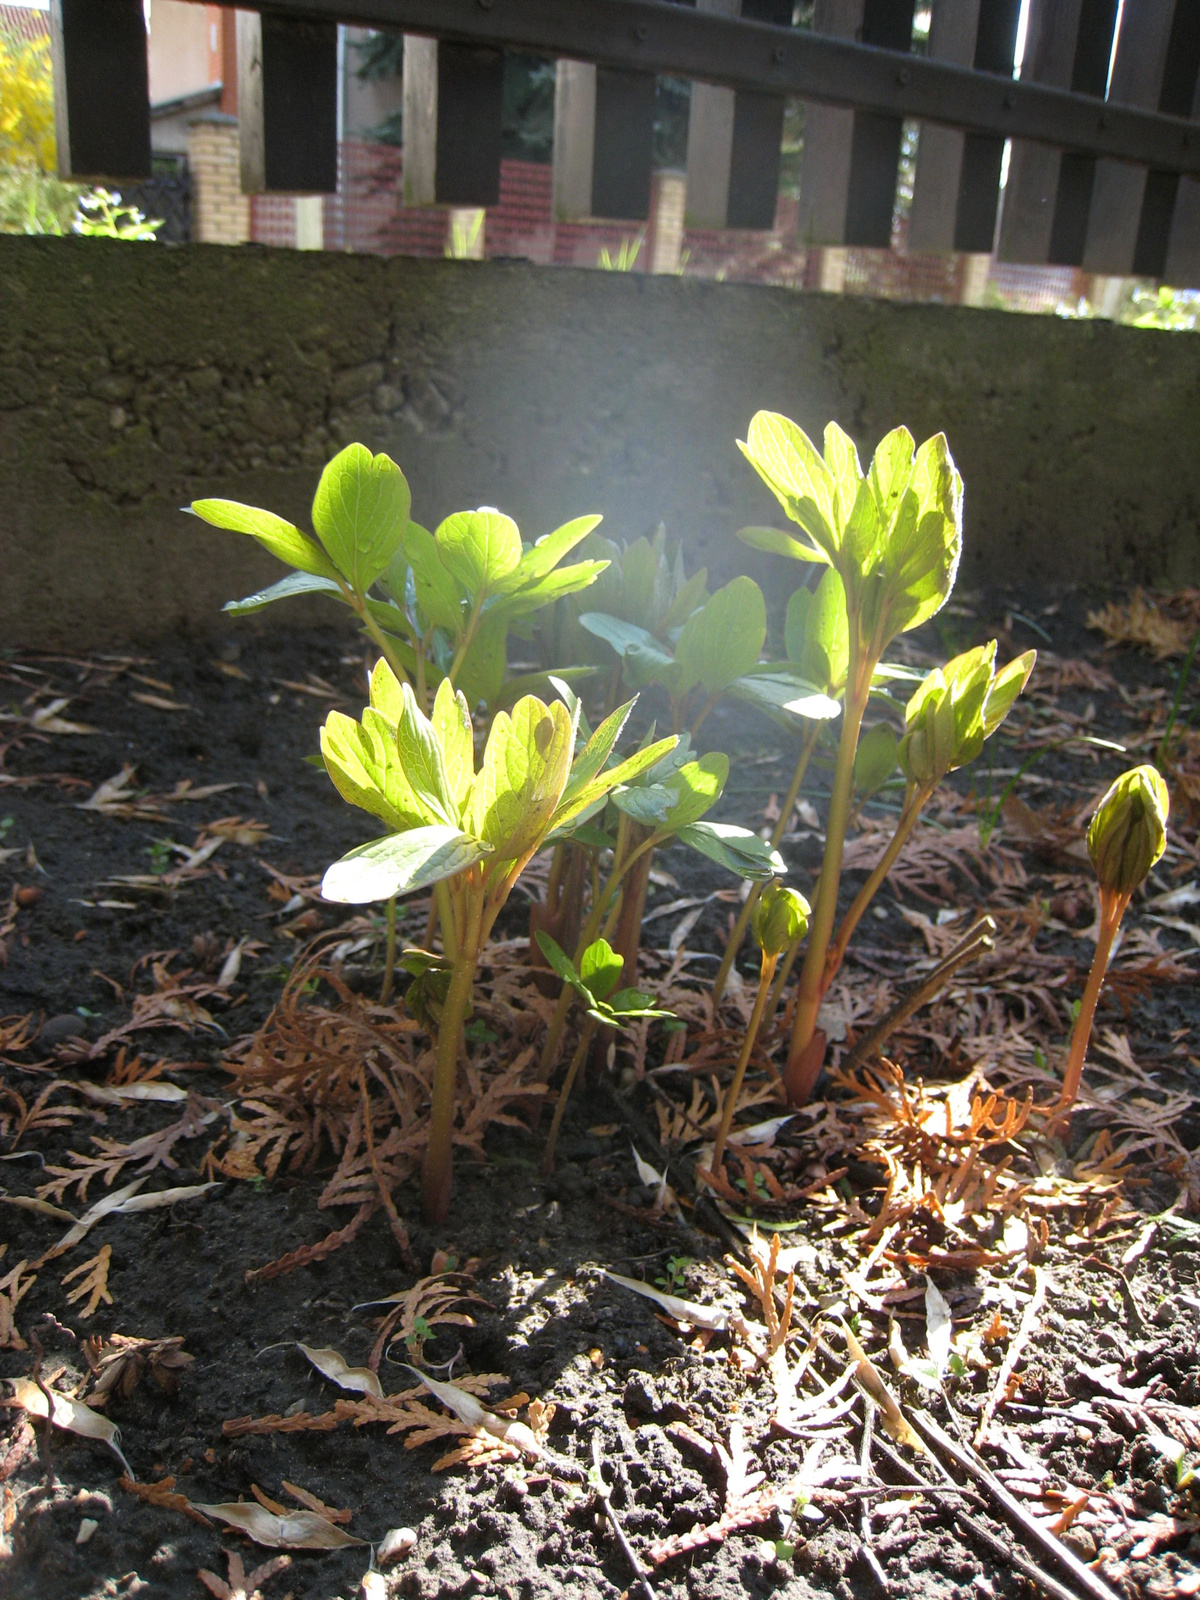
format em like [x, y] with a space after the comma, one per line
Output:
[26, 103]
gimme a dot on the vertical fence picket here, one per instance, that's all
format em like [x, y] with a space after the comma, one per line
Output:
[875, 148]
[1027, 216]
[603, 143]
[101, 88]
[828, 141]
[287, 104]
[1119, 187]
[453, 106]
[735, 140]
[953, 28]
[1168, 243]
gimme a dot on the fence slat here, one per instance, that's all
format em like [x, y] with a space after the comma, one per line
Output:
[931, 227]
[1027, 217]
[1119, 189]
[828, 141]
[623, 154]
[1181, 266]
[603, 143]
[875, 149]
[101, 88]
[287, 104]
[1171, 203]
[735, 140]
[453, 106]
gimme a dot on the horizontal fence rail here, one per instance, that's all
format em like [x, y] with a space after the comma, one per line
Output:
[1101, 174]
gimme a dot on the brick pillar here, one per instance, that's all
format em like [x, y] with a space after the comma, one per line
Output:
[221, 212]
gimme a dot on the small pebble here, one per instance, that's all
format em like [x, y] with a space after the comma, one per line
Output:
[395, 1543]
[87, 1528]
[69, 1025]
[373, 1586]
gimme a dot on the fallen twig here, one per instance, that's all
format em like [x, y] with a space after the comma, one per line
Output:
[864, 1510]
[977, 1530]
[975, 942]
[603, 1494]
[1090, 1582]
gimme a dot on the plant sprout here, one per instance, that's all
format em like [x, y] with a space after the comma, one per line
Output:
[436, 605]
[780, 920]
[1127, 835]
[466, 833]
[893, 536]
[595, 983]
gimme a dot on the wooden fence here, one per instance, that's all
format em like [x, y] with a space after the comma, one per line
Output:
[1098, 138]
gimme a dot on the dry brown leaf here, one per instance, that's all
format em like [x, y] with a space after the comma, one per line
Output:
[296, 1530]
[13, 1288]
[120, 1361]
[71, 1415]
[333, 1366]
[1143, 622]
[93, 1283]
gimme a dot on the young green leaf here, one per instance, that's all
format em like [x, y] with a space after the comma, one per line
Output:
[275, 534]
[400, 864]
[384, 692]
[775, 692]
[841, 457]
[479, 548]
[439, 594]
[360, 512]
[649, 804]
[875, 759]
[699, 785]
[788, 463]
[626, 771]
[294, 583]
[549, 551]
[359, 758]
[451, 721]
[481, 672]
[723, 640]
[600, 969]
[589, 763]
[739, 849]
[777, 543]
[420, 755]
[521, 780]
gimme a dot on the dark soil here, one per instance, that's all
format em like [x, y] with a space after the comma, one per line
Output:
[553, 1325]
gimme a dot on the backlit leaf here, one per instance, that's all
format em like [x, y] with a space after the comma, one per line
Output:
[479, 548]
[360, 512]
[294, 583]
[400, 864]
[699, 784]
[276, 534]
[739, 849]
[522, 777]
[724, 639]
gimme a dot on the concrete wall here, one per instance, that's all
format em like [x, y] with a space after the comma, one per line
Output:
[135, 378]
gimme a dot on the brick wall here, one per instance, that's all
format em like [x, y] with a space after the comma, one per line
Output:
[221, 212]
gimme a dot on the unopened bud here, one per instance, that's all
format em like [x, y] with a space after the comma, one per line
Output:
[780, 918]
[1128, 833]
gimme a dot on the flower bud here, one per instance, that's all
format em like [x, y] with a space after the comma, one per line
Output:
[1128, 832]
[780, 918]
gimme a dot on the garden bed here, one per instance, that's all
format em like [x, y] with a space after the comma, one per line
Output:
[156, 916]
